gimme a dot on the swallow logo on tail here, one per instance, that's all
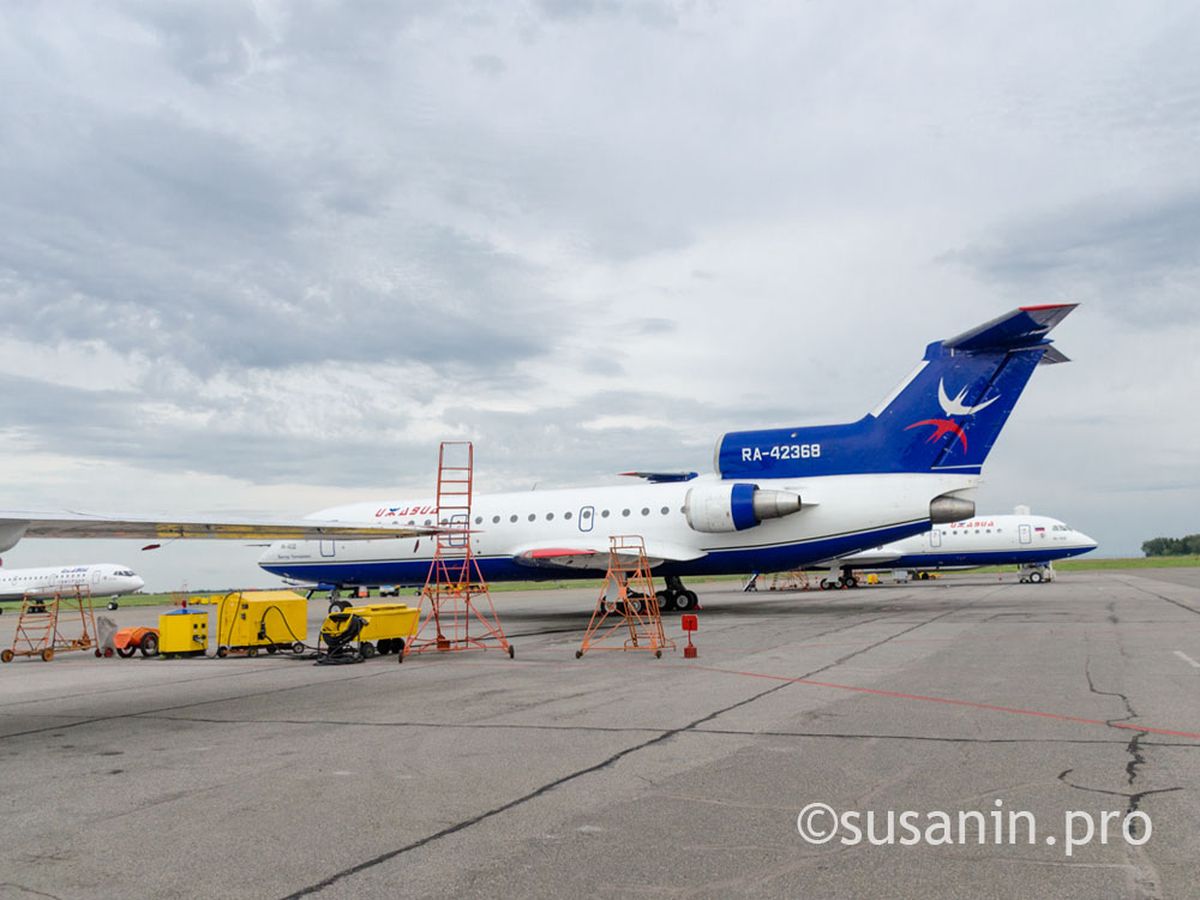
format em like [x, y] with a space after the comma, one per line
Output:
[950, 407]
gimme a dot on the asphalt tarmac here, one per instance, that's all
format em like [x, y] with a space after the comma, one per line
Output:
[473, 775]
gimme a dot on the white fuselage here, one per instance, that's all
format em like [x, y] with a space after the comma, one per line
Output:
[979, 541]
[98, 580]
[840, 514]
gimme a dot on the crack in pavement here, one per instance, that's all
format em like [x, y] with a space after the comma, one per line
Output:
[614, 758]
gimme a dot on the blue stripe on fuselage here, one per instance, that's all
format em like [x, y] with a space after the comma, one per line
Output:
[980, 558]
[503, 568]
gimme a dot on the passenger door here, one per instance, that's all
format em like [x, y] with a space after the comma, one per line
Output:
[458, 520]
[328, 548]
[1024, 534]
[587, 518]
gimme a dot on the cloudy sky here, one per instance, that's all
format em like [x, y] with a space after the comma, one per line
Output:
[260, 257]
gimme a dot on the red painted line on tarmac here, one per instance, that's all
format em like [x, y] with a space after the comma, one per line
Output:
[950, 701]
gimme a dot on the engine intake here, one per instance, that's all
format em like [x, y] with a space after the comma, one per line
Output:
[714, 508]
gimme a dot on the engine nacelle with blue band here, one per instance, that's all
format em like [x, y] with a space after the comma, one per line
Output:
[715, 508]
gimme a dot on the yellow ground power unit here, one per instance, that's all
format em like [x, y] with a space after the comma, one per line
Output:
[183, 633]
[385, 628]
[249, 621]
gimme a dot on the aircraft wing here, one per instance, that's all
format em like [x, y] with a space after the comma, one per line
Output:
[593, 554]
[876, 556]
[88, 525]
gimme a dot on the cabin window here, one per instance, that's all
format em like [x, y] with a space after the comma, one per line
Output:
[495, 520]
[512, 518]
[549, 517]
[532, 516]
[566, 515]
[625, 512]
[604, 514]
[479, 520]
[666, 510]
[645, 510]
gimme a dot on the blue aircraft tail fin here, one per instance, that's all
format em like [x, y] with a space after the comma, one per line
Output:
[945, 416]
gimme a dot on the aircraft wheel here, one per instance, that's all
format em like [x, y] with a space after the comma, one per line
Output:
[112, 604]
[851, 581]
[825, 584]
[686, 600]
[149, 645]
[636, 607]
[1035, 577]
[126, 652]
[666, 601]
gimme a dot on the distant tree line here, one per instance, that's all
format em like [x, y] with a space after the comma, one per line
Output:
[1166, 546]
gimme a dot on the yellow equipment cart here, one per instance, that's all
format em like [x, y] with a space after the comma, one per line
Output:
[249, 621]
[381, 627]
[181, 633]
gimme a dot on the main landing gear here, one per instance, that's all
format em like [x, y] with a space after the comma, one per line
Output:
[676, 598]
[839, 578]
[1036, 573]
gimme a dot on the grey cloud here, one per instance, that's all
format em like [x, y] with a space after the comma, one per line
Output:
[1134, 256]
[233, 439]
[647, 12]
[488, 64]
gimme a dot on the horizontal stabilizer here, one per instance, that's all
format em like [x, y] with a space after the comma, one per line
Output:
[1021, 328]
[662, 477]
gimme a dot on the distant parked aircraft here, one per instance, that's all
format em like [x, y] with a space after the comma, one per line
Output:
[99, 580]
[1031, 542]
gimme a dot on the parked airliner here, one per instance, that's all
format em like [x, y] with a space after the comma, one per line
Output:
[99, 580]
[780, 498]
[1031, 542]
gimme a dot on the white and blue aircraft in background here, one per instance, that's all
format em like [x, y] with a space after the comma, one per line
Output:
[780, 498]
[1031, 542]
[98, 580]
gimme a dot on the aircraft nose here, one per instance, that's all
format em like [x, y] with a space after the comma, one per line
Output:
[138, 582]
[1086, 541]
